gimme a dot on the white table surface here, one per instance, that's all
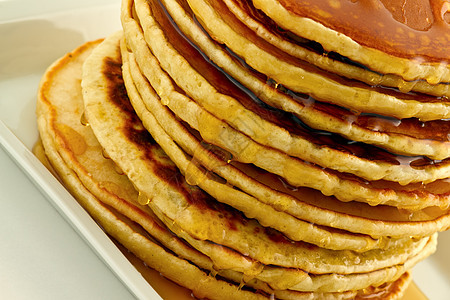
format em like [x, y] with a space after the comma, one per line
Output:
[43, 257]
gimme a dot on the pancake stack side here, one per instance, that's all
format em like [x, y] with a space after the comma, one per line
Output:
[264, 149]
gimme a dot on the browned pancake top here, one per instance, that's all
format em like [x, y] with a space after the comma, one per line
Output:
[404, 28]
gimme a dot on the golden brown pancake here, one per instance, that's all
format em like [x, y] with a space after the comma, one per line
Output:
[132, 148]
[61, 86]
[216, 94]
[387, 36]
[59, 104]
[198, 228]
[313, 53]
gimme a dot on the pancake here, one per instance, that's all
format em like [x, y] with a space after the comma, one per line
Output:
[100, 175]
[390, 47]
[196, 208]
[244, 149]
[313, 53]
[299, 280]
[184, 272]
[99, 211]
[309, 258]
[240, 177]
[408, 137]
[136, 239]
[122, 229]
[305, 78]
[188, 204]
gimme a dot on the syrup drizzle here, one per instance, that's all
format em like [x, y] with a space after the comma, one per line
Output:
[83, 120]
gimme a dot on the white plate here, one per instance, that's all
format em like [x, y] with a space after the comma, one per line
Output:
[28, 46]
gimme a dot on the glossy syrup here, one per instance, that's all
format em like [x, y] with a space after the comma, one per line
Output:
[397, 27]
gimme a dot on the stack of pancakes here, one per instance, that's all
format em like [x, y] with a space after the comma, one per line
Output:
[262, 149]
